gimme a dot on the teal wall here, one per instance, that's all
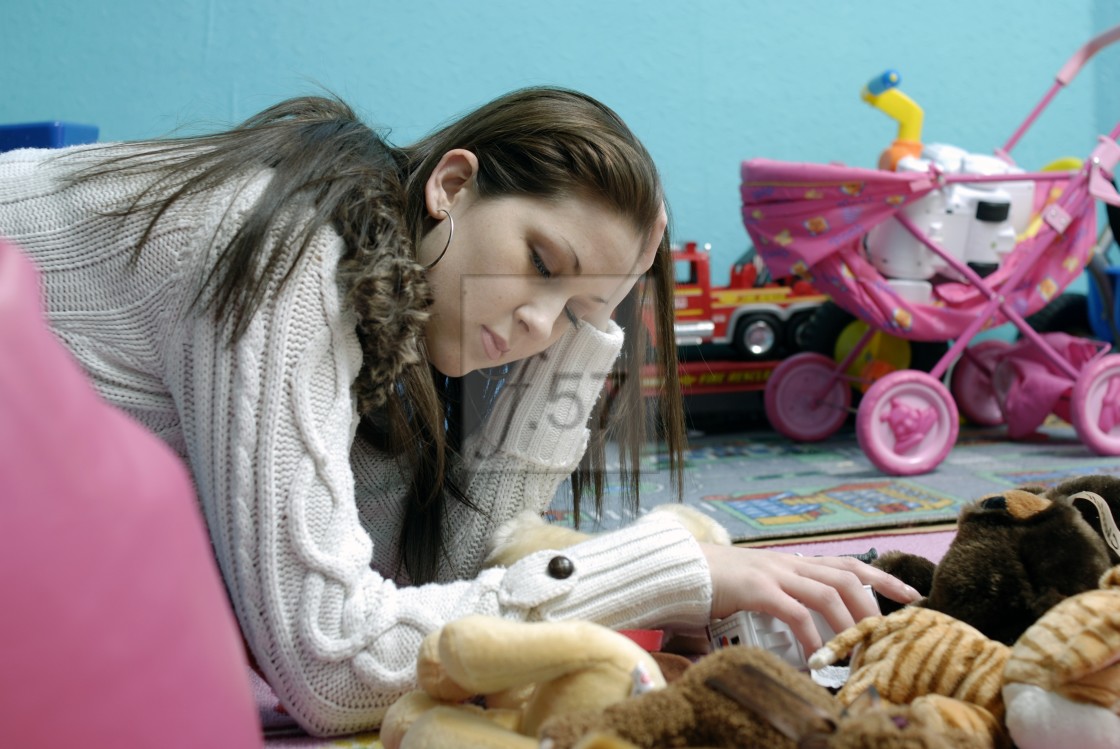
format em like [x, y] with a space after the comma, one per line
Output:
[705, 84]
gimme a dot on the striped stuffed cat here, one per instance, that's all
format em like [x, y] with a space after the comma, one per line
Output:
[1058, 685]
[1062, 680]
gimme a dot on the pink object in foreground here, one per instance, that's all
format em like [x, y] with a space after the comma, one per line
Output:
[117, 631]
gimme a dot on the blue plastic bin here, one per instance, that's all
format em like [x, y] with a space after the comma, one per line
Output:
[1100, 318]
[45, 135]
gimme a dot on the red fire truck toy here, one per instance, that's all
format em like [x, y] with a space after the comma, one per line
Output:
[759, 317]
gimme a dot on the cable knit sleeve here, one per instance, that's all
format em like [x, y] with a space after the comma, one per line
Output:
[651, 573]
[532, 439]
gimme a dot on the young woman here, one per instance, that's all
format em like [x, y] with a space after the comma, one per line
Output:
[297, 307]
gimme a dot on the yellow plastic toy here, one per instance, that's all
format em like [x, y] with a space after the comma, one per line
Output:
[883, 94]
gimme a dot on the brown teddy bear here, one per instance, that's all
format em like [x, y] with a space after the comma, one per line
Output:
[1017, 554]
[748, 697]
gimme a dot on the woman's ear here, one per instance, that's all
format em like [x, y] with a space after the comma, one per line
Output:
[451, 182]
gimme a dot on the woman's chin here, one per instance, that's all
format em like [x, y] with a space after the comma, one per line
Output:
[449, 367]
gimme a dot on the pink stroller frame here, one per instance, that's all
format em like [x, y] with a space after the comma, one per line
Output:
[812, 220]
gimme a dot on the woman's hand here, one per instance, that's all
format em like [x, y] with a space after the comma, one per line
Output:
[787, 587]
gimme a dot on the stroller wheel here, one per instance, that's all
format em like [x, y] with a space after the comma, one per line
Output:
[1095, 405]
[907, 423]
[806, 399]
[971, 383]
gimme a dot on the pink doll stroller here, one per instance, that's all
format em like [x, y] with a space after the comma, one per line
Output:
[943, 246]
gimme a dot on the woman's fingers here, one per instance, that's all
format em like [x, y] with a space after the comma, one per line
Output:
[882, 582]
[838, 607]
[791, 587]
[795, 615]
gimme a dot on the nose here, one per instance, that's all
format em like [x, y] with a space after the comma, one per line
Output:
[538, 315]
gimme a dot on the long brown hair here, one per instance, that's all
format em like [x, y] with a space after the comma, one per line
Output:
[542, 141]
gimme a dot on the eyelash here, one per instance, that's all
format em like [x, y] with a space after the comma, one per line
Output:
[545, 273]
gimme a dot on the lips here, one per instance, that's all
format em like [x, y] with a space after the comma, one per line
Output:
[494, 345]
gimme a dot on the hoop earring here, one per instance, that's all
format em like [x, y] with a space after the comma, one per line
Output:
[450, 234]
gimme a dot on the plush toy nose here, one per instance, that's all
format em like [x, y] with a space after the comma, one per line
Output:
[994, 503]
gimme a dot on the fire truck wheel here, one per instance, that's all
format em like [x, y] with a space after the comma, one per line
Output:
[833, 330]
[757, 336]
[795, 330]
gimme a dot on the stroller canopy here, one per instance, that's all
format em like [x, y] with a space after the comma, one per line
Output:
[810, 220]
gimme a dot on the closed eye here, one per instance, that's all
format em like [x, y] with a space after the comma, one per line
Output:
[543, 270]
[539, 264]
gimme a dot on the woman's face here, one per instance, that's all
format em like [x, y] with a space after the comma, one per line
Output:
[519, 272]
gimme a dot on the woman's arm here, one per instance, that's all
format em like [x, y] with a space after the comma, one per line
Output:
[268, 425]
[531, 441]
[532, 438]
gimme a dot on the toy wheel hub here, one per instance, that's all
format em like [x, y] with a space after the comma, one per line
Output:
[759, 338]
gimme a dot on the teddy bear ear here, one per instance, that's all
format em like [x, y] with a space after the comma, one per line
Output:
[1016, 503]
[1107, 485]
[1041, 489]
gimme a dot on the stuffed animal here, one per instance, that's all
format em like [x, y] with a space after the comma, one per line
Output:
[1017, 554]
[1058, 685]
[1062, 681]
[524, 673]
[749, 697]
[568, 684]
[916, 652]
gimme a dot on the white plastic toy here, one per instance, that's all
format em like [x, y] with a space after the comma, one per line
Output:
[766, 632]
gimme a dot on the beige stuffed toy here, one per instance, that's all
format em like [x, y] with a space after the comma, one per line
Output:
[521, 673]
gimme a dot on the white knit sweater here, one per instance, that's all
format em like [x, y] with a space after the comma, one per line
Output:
[297, 507]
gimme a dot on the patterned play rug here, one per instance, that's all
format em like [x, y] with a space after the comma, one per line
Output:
[762, 486]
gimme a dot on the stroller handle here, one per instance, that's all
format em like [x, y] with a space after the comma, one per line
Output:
[1065, 75]
[1080, 57]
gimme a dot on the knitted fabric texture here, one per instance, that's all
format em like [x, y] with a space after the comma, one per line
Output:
[304, 517]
